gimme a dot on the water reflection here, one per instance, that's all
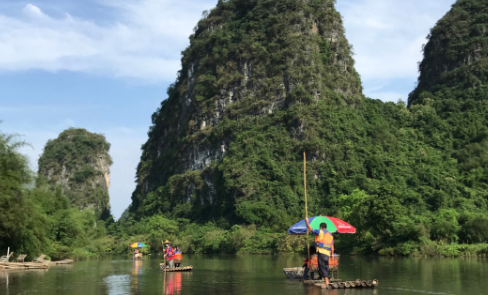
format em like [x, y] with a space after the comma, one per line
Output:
[173, 283]
[13, 277]
[136, 275]
[125, 283]
[311, 290]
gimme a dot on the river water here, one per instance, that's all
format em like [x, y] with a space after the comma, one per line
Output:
[246, 275]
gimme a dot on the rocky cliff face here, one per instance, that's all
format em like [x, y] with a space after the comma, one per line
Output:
[248, 60]
[78, 161]
[452, 94]
[456, 54]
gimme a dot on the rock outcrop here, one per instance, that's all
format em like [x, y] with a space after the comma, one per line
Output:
[452, 91]
[247, 60]
[456, 54]
[78, 161]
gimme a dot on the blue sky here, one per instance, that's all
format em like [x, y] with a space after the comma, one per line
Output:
[105, 65]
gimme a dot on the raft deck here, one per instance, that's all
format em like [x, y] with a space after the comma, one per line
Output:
[176, 269]
[22, 265]
[343, 284]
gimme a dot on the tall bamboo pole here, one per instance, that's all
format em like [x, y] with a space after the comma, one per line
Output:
[306, 207]
[165, 271]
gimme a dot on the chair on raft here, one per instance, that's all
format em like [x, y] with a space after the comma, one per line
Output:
[5, 258]
[21, 258]
[40, 259]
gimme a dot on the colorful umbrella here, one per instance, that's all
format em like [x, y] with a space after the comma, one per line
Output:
[137, 245]
[334, 225]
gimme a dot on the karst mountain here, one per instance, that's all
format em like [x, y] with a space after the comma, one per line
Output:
[262, 81]
[78, 162]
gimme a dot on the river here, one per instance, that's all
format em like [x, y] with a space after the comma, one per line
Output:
[246, 275]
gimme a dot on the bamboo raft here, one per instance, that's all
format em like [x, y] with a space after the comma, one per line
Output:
[296, 273]
[344, 285]
[23, 265]
[65, 261]
[177, 269]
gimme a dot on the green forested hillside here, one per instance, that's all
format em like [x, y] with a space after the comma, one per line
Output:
[242, 92]
[244, 70]
[37, 219]
[264, 80]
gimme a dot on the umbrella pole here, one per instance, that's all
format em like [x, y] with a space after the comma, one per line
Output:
[306, 208]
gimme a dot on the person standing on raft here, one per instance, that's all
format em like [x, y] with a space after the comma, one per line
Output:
[169, 254]
[324, 245]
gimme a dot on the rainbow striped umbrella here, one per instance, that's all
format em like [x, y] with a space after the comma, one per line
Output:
[334, 225]
[137, 245]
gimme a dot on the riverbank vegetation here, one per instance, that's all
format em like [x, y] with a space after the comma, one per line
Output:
[37, 219]
[211, 239]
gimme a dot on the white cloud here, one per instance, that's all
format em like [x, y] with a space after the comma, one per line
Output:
[33, 11]
[145, 38]
[144, 42]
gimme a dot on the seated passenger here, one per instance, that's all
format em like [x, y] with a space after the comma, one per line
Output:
[311, 266]
[178, 257]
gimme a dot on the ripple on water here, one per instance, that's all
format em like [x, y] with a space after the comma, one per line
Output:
[118, 284]
[420, 291]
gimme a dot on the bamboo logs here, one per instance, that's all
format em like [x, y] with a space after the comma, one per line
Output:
[344, 285]
[176, 269]
[23, 265]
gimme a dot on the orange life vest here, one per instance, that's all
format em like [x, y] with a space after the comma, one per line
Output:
[326, 241]
[314, 262]
[178, 255]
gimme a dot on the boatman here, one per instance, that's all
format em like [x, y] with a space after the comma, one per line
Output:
[169, 254]
[324, 245]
